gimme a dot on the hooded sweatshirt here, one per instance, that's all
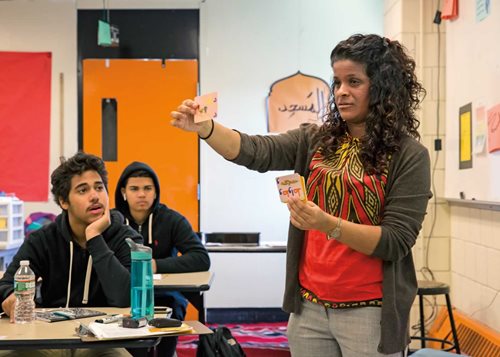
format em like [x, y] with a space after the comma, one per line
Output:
[71, 275]
[164, 230]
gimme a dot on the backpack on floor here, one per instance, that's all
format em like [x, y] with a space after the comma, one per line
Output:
[37, 220]
[221, 343]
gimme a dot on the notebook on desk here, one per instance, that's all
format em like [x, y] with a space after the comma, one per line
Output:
[63, 314]
[115, 331]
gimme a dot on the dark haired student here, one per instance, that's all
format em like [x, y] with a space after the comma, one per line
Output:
[350, 279]
[82, 257]
[166, 231]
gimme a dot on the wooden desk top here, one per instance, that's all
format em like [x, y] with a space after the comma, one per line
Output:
[41, 334]
[199, 281]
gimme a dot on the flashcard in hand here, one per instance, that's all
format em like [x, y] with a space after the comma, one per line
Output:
[207, 107]
[291, 185]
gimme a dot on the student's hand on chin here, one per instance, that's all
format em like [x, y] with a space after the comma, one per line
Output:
[97, 227]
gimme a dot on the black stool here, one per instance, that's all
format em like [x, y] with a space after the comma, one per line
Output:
[436, 288]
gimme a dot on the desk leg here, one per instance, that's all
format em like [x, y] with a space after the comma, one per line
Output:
[198, 301]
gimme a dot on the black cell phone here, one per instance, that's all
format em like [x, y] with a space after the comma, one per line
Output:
[130, 322]
[164, 322]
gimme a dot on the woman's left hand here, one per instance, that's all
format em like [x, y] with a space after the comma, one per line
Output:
[307, 215]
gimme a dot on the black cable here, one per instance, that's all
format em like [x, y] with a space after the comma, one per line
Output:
[426, 271]
[426, 268]
[487, 306]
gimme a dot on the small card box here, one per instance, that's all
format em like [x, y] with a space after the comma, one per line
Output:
[291, 185]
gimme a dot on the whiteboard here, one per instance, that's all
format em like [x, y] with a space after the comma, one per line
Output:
[472, 76]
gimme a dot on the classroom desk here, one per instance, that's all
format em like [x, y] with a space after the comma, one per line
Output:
[62, 335]
[191, 285]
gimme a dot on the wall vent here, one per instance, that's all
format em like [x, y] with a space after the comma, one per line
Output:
[475, 339]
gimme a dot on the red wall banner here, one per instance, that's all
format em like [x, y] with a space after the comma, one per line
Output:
[25, 124]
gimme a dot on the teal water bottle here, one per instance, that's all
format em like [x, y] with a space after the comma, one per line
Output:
[141, 281]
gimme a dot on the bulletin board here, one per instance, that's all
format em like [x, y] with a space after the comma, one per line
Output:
[25, 86]
[473, 104]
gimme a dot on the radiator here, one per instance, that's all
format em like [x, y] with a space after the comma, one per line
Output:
[474, 338]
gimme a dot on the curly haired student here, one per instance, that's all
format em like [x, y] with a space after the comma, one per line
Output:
[82, 257]
[350, 277]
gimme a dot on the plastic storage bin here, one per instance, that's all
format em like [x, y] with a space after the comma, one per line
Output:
[11, 222]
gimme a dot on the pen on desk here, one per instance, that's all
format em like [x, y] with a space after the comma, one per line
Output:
[110, 319]
[67, 314]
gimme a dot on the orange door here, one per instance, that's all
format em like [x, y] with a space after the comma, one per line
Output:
[145, 92]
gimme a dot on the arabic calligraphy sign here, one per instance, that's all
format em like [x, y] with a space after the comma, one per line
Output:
[294, 100]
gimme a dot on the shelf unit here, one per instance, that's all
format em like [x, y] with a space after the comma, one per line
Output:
[11, 222]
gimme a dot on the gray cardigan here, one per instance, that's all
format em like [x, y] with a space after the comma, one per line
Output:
[407, 195]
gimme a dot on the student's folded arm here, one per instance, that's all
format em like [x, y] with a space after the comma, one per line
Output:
[113, 269]
[194, 255]
[195, 260]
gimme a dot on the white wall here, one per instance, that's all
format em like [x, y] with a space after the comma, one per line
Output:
[245, 46]
[474, 46]
[475, 263]
[472, 264]
[51, 26]
[47, 26]
[249, 280]
[411, 22]
[473, 73]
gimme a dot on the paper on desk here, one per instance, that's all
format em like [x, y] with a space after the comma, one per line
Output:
[115, 331]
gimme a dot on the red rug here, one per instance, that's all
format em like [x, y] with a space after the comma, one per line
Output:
[258, 340]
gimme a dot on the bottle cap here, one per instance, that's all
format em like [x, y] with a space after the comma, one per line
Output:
[25, 262]
[139, 251]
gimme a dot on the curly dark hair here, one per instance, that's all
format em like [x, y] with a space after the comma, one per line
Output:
[395, 94]
[75, 165]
